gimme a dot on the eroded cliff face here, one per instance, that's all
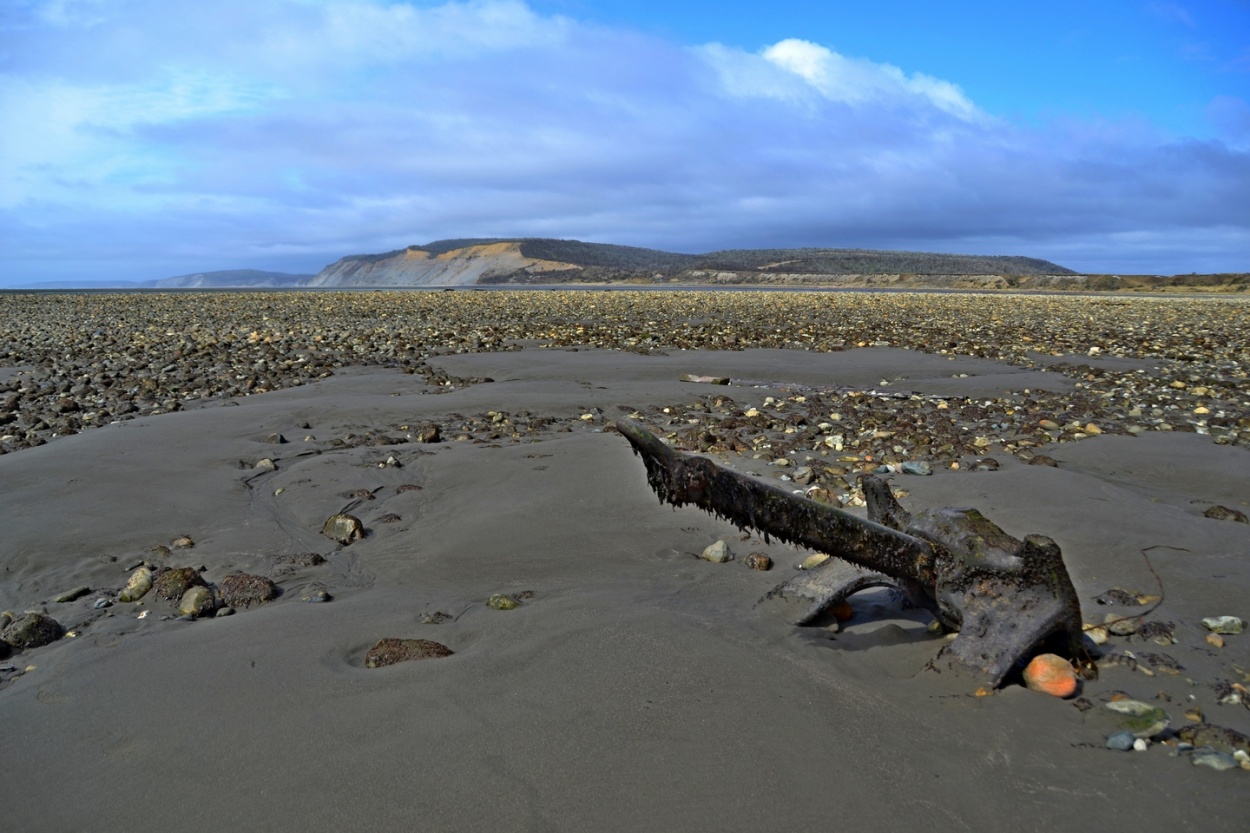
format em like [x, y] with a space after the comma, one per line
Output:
[417, 267]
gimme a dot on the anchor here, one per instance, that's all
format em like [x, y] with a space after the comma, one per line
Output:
[1006, 597]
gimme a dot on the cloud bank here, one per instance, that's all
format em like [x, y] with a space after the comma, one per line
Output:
[141, 139]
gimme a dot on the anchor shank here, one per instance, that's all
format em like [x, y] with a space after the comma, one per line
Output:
[681, 479]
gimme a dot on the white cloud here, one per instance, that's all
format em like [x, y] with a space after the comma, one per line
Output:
[834, 77]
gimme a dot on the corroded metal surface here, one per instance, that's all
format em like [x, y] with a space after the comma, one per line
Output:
[1005, 597]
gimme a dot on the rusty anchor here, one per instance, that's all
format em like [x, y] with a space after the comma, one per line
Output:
[1007, 598]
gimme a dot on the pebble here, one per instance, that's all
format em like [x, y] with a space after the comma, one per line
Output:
[315, 594]
[1120, 625]
[390, 651]
[1218, 761]
[758, 561]
[986, 464]
[1141, 744]
[717, 553]
[173, 583]
[182, 542]
[813, 561]
[1140, 719]
[198, 601]
[101, 603]
[1121, 741]
[137, 586]
[1225, 625]
[266, 464]
[343, 528]
[1051, 674]
[223, 612]
[502, 601]
[73, 595]
[918, 467]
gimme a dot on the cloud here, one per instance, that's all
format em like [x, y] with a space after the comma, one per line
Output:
[149, 139]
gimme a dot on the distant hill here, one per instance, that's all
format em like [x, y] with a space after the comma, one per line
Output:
[542, 260]
[232, 278]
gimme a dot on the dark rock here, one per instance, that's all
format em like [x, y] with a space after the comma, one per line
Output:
[1223, 513]
[758, 561]
[427, 434]
[985, 464]
[1117, 596]
[244, 591]
[171, 584]
[343, 528]
[390, 651]
[303, 559]
[1042, 460]
[32, 630]
[1216, 737]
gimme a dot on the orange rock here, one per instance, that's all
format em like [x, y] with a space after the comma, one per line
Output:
[1051, 674]
[843, 612]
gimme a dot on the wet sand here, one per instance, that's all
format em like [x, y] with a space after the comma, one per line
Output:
[636, 686]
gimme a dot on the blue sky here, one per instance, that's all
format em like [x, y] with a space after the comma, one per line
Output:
[142, 139]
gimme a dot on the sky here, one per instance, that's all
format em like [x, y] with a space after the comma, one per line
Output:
[141, 139]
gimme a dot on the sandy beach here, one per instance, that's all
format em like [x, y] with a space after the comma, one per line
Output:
[635, 686]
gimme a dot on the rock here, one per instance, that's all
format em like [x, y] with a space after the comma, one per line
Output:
[1121, 741]
[717, 553]
[1096, 634]
[1042, 460]
[197, 601]
[343, 528]
[813, 561]
[390, 651]
[1216, 737]
[919, 467]
[1226, 625]
[1218, 761]
[502, 601]
[758, 561]
[182, 542]
[303, 559]
[426, 434]
[1223, 513]
[804, 475]
[1051, 674]
[315, 593]
[32, 630]
[843, 611]
[1140, 719]
[275, 439]
[1141, 745]
[137, 586]
[438, 617]
[73, 595]
[101, 603]
[704, 380]
[174, 582]
[1215, 640]
[1121, 625]
[244, 591]
[266, 464]
[985, 464]
[222, 612]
